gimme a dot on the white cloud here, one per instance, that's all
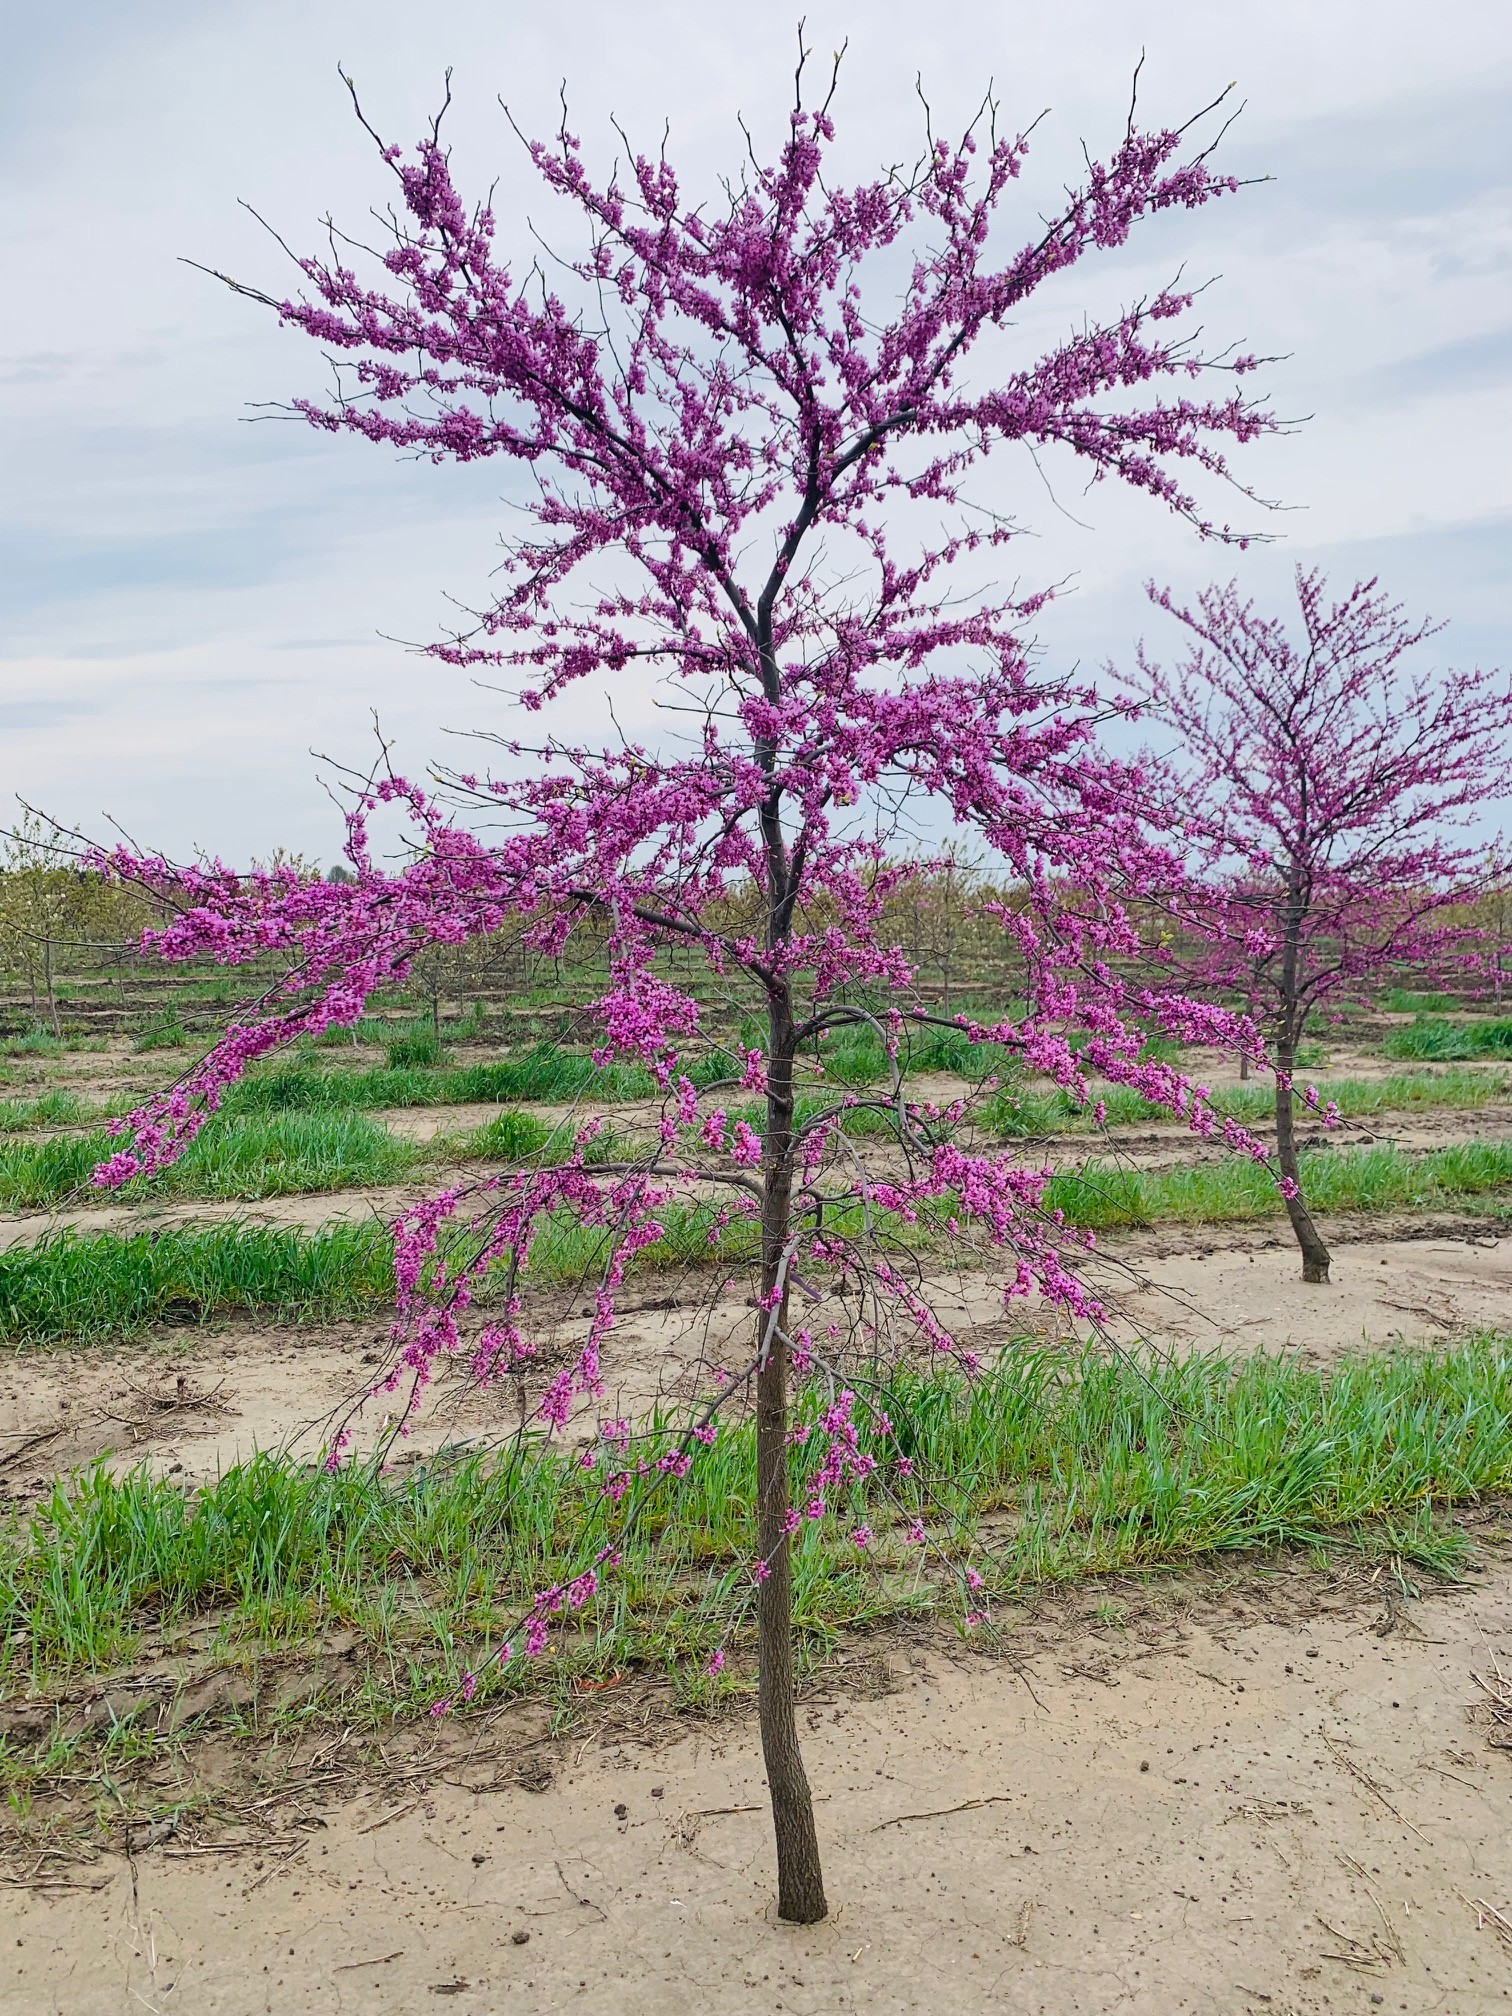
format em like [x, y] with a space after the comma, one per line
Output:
[193, 603]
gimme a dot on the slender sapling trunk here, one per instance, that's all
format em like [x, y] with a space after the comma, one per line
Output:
[800, 1881]
[52, 997]
[1293, 1014]
[1315, 1258]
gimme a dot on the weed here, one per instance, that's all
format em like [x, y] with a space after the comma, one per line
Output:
[245, 1156]
[418, 1051]
[165, 1032]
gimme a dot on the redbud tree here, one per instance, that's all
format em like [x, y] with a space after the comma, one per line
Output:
[746, 430]
[1324, 782]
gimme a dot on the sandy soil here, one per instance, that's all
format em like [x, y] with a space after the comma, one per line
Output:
[1249, 1296]
[309, 1213]
[1280, 1802]
[189, 1402]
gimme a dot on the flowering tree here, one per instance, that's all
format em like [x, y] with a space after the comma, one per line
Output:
[748, 480]
[1321, 782]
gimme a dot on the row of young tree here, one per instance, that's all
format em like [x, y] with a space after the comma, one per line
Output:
[749, 430]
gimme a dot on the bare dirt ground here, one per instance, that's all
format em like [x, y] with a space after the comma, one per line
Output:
[1271, 1796]
[308, 1213]
[1245, 1294]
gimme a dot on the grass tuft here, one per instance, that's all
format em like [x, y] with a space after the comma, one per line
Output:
[1452, 1042]
[420, 1051]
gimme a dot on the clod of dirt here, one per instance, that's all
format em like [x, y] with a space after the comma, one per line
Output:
[213, 1695]
[520, 1938]
[114, 1705]
[333, 1673]
[537, 1774]
[26, 1723]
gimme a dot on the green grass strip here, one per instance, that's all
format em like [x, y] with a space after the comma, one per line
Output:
[1430, 1037]
[250, 1156]
[1404, 1001]
[547, 1073]
[1050, 1466]
[542, 1074]
[1216, 1193]
[240, 1156]
[61, 1108]
[1016, 1110]
[82, 1287]
[86, 1287]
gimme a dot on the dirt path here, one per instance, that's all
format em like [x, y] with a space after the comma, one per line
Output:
[1270, 1807]
[307, 1213]
[1247, 1294]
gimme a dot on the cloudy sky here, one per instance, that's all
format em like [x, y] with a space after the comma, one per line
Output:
[194, 601]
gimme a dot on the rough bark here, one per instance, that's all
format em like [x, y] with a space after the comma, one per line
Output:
[800, 1880]
[1315, 1260]
[1292, 1017]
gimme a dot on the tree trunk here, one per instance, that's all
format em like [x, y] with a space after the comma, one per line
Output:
[1244, 1066]
[1314, 1253]
[800, 1881]
[1290, 1023]
[52, 998]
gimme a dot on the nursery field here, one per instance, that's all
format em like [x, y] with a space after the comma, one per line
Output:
[1259, 1525]
[803, 1303]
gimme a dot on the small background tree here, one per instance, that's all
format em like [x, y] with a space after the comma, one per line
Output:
[1322, 784]
[745, 426]
[43, 903]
